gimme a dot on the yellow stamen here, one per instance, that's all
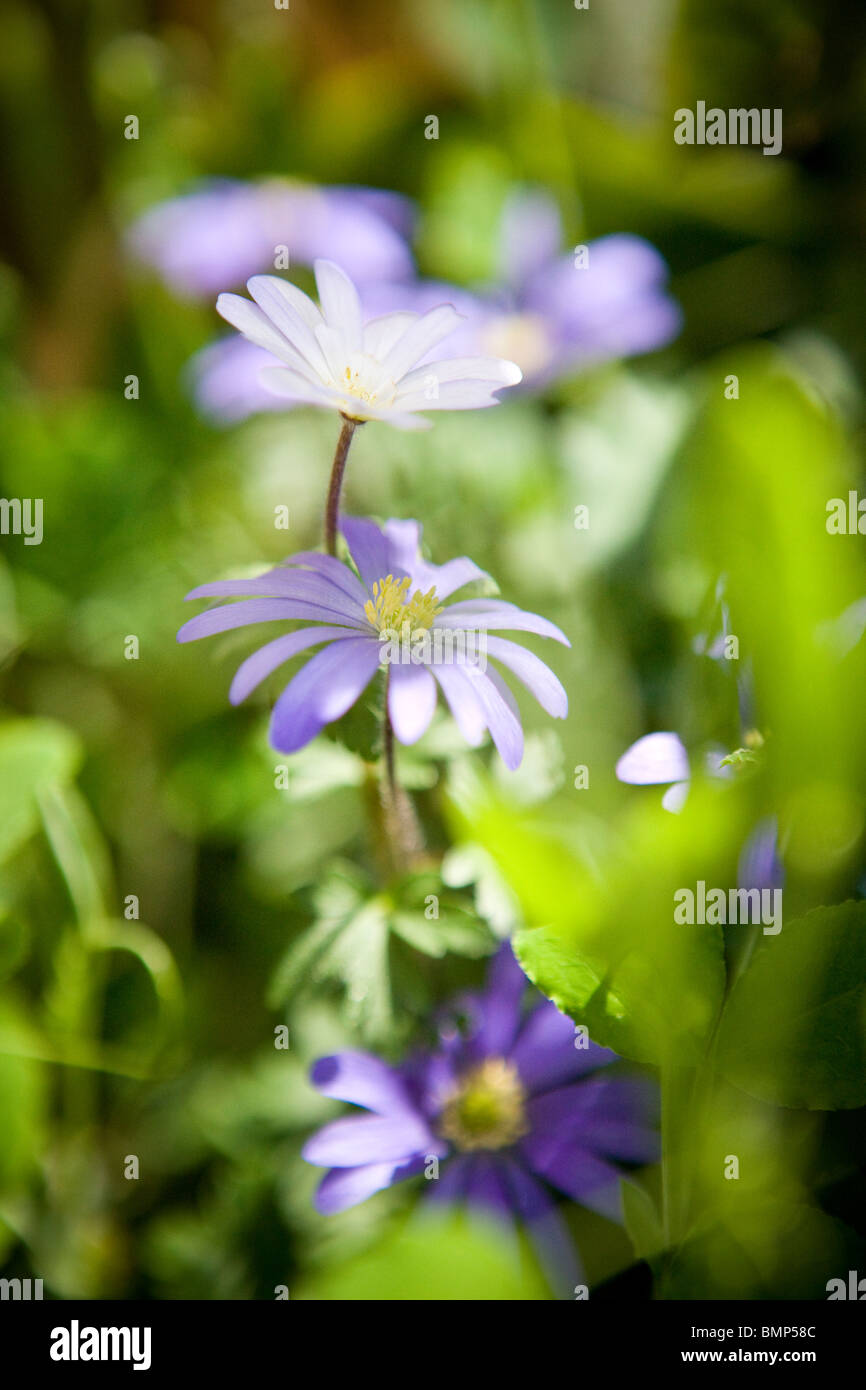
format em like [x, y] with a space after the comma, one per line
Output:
[391, 607]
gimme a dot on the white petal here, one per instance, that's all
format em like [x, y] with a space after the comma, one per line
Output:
[284, 382]
[284, 305]
[490, 369]
[381, 334]
[451, 395]
[255, 326]
[419, 338]
[340, 303]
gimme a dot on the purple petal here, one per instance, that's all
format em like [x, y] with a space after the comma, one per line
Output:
[463, 703]
[500, 1005]
[411, 701]
[362, 1079]
[531, 235]
[545, 1054]
[284, 582]
[367, 1139]
[485, 1187]
[333, 570]
[608, 1115]
[674, 798]
[224, 380]
[582, 1176]
[255, 610]
[546, 1229]
[760, 865]
[330, 682]
[256, 667]
[485, 613]
[346, 1187]
[404, 539]
[505, 727]
[538, 678]
[368, 547]
[654, 758]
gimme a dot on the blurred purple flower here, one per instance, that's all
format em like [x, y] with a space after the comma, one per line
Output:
[548, 315]
[662, 757]
[392, 602]
[225, 231]
[514, 1104]
[760, 864]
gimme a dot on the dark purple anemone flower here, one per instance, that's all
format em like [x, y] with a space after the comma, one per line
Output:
[513, 1105]
[387, 611]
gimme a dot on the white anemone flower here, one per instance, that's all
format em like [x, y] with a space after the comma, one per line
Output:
[366, 371]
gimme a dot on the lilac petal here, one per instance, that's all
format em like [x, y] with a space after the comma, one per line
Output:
[489, 614]
[450, 1186]
[463, 704]
[419, 338]
[500, 1005]
[367, 1139]
[538, 678]
[256, 667]
[485, 1187]
[546, 1229]
[224, 380]
[368, 547]
[346, 1187]
[654, 758]
[608, 1115]
[531, 235]
[411, 701]
[330, 682]
[545, 1054]
[285, 582]
[404, 540]
[504, 725]
[674, 798]
[760, 865]
[362, 1079]
[581, 1175]
[334, 571]
[255, 610]
[341, 306]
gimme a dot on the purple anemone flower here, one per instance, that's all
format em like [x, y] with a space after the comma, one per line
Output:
[558, 315]
[387, 611]
[224, 231]
[514, 1105]
[662, 757]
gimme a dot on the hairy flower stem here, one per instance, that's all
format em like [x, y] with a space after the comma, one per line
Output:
[332, 507]
[403, 832]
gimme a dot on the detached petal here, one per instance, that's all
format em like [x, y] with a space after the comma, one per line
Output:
[654, 758]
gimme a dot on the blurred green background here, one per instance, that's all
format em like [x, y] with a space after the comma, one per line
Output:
[154, 1036]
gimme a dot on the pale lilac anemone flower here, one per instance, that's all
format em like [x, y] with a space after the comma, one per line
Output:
[223, 231]
[357, 618]
[334, 360]
[514, 1105]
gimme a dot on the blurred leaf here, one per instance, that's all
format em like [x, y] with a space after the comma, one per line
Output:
[429, 1260]
[794, 1028]
[35, 755]
[642, 1220]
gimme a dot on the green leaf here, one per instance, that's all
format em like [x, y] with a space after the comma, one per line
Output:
[451, 931]
[434, 1260]
[794, 1029]
[35, 755]
[642, 1220]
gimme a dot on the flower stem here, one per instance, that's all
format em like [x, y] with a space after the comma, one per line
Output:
[332, 507]
[403, 833]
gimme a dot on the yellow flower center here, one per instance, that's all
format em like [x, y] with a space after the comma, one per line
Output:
[391, 607]
[487, 1108]
[352, 384]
